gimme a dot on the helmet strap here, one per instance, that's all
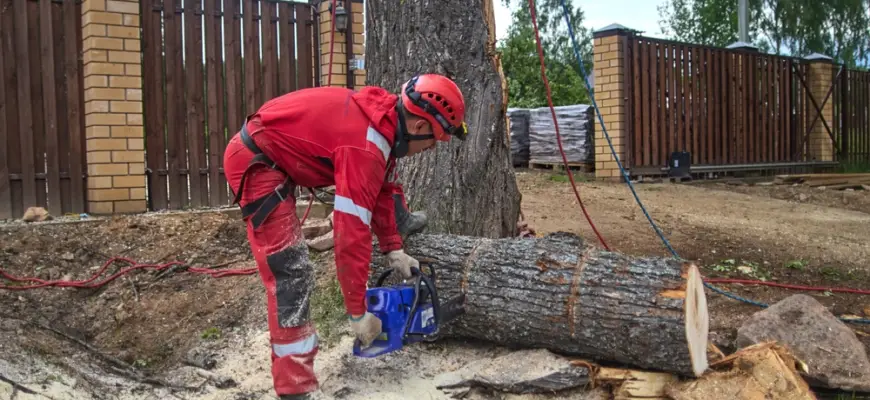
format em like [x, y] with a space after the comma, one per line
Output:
[400, 147]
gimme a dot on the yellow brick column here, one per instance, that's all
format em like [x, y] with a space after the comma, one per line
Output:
[819, 78]
[609, 85]
[354, 10]
[359, 46]
[113, 106]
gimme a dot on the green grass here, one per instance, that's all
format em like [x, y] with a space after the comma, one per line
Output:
[327, 311]
[563, 178]
[212, 333]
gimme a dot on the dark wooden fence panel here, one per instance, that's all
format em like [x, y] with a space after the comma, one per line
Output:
[724, 107]
[234, 55]
[41, 121]
[852, 116]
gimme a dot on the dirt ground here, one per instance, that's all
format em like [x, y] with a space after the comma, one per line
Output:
[154, 324]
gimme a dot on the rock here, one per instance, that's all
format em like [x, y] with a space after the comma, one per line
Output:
[520, 372]
[865, 187]
[316, 227]
[803, 197]
[835, 357]
[321, 243]
[67, 256]
[867, 311]
[201, 358]
[36, 214]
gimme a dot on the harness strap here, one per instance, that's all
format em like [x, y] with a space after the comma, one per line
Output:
[263, 206]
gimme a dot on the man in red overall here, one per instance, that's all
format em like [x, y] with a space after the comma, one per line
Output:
[320, 137]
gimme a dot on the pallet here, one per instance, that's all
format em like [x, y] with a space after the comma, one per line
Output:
[558, 166]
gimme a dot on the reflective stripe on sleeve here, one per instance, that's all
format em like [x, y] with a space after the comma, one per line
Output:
[347, 206]
[379, 140]
[300, 347]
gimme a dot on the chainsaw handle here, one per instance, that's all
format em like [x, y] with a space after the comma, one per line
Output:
[414, 273]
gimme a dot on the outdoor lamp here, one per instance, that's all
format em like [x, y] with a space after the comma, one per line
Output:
[340, 16]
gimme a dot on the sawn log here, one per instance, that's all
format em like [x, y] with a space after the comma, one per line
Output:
[557, 293]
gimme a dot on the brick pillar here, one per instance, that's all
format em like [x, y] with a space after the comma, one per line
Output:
[609, 85]
[819, 78]
[113, 106]
[339, 49]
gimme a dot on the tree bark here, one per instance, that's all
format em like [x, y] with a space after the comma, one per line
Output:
[469, 187]
[556, 293]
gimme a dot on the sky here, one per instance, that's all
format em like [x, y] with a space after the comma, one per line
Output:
[642, 15]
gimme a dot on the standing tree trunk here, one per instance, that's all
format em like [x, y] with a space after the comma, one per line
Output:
[466, 188]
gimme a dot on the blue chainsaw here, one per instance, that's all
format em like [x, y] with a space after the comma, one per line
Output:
[410, 312]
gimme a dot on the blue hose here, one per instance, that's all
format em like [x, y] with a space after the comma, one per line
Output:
[627, 179]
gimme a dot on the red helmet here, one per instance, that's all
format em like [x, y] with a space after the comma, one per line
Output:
[438, 100]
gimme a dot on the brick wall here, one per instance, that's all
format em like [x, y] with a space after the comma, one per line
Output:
[608, 48]
[112, 66]
[339, 50]
[821, 73]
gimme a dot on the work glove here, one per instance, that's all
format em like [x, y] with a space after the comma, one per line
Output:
[402, 263]
[366, 328]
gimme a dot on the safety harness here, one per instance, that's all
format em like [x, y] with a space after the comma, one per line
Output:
[263, 206]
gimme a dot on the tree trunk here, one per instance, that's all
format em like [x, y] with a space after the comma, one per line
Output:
[556, 293]
[469, 187]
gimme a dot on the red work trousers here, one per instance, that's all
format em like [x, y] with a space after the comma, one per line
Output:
[285, 270]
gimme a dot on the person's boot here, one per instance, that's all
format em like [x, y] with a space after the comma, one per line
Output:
[408, 222]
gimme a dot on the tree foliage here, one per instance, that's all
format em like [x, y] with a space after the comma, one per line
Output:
[520, 60]
[837, 28]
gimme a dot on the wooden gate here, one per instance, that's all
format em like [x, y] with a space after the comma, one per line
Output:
[42, 143]
[852, 117]
[207, 64]
[725, 107]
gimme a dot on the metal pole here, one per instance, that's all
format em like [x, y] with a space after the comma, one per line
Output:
[742, 21]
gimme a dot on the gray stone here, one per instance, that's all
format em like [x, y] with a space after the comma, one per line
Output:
[834, 355]
[322, 243]
[316, 227]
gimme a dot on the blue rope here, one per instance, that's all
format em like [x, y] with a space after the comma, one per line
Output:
[627, 179]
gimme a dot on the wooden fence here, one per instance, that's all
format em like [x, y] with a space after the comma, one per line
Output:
[199, 88]
[42, 143]
[723, 106]
[852, 116]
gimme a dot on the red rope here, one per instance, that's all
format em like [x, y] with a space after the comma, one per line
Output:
[788, 286]
[89, 283]
[556, 124]
[220, 273]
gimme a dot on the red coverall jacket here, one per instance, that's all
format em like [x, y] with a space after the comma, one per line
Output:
[335, 136]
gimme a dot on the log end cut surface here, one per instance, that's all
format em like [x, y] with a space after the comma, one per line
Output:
[697, 320]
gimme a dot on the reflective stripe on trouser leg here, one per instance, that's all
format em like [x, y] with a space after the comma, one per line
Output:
[293, 365]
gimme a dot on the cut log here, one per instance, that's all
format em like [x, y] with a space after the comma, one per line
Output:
[556, 293]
